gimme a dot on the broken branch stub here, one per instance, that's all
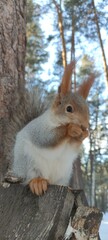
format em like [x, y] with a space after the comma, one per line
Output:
[86, 222]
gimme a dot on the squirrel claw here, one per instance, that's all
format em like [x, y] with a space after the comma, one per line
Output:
[38, 185]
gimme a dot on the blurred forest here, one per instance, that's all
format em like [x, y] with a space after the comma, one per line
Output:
[58, 32]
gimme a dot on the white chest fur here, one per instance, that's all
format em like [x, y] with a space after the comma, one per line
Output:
[54, 164]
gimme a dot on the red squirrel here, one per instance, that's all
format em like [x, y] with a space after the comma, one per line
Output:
[46, 148]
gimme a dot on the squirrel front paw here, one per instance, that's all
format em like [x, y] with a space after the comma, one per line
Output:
[74, 130]
[38, 185]
[77, 132]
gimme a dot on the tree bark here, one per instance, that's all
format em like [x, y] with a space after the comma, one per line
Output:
[86, 222]
[76, 181]
[24, 216]
[12, 52]
[101, 42]
[61, 29]
[73, 49]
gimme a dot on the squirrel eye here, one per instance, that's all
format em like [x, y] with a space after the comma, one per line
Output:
[69, 109]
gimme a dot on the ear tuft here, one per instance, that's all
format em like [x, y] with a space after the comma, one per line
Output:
[66, 80]
[86, 85]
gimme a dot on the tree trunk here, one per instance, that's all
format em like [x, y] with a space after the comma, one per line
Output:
[76, 181]
[73, 49]
[101, 43]
[61, 29]
[12, 48]
[24, 216]
[92, 162]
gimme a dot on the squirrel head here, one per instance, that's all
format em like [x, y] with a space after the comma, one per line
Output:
[71, 107]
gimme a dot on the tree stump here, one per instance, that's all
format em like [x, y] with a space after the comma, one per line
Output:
[24, 216]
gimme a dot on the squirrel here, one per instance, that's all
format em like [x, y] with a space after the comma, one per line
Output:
[46, 148]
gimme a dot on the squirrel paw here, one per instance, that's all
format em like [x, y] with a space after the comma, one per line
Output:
[74, 130]
[38, 185]
[77, 132]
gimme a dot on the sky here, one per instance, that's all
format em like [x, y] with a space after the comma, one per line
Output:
[104, 227]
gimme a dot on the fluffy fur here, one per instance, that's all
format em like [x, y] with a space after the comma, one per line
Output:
[29, 106]
[46, 148]
[36, 156]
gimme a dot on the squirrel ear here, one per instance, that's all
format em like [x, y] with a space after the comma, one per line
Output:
[66, 80]
[86, 85]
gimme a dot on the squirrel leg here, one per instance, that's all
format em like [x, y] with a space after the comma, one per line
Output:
[38, 185]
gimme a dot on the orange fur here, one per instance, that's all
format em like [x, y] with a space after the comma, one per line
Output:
[66, 80]
[76, 132]
[71, 132]
[79, 119]
[85, 87]
[38, 185]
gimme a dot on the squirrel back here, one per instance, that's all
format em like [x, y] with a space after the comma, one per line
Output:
[29, 106]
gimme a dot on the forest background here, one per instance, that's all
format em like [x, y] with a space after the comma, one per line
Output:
[58, 32]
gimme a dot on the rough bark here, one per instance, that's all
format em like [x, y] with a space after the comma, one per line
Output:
[24, 216]
[12, 54]
[76, 181]
[86, 222]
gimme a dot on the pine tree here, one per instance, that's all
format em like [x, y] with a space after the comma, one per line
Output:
[79, 23]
